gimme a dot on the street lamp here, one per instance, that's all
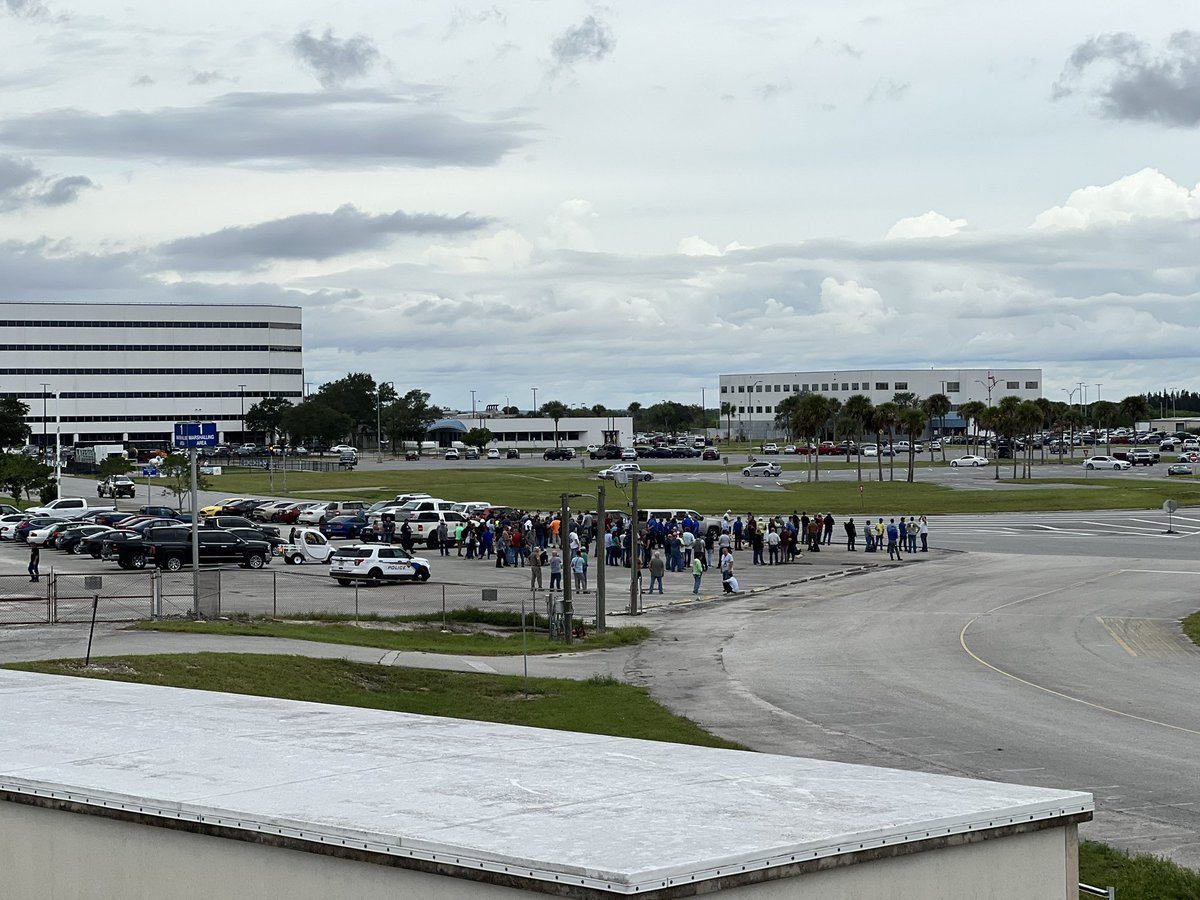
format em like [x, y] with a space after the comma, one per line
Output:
[565, 532]
[750, 413]
[473, 404]
[989, 384]
[534, 410]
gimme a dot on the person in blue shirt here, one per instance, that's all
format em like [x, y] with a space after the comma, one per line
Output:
[893, 538]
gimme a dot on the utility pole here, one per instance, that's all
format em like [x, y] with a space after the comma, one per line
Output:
[564, 532]
[473, 404]
[57, 444]
[599, 525]
[242, 435]
[635, 549]
[534, 410]
[45, 419]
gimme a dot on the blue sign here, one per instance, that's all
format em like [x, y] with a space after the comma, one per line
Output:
[195, 434]
[150, 471]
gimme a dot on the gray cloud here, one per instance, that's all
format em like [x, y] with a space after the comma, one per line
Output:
[335, 61]
[307, 236]
[325, 130]
[1135, 83]
[208, 78]
[591, 40]
[462, 18]
[26, 9]
[22, 184]
[888, 89]
[142, 81]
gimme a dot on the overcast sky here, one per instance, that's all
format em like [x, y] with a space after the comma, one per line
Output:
[620, 202]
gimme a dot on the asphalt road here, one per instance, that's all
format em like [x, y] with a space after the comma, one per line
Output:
[1071, 672]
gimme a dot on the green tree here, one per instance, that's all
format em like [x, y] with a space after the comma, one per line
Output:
[906, 400]
[409, 417]
[889, 418]
[114, 465]
[936, 406]
[970, 411]
[478, 437]
[176, 472]
[355, 396]
[813, 412]
[266, 416]
[988, 419]
[14, 432]
[1008, 426]
[785, 414]
[858, 410]
[727, 412]
[912, 422]
[1106, 415]
[1029, 419]
[313, 420]
[1133, 409]
[22, 475]
[556, 410]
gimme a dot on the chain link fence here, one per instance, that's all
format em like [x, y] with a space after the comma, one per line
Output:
[24, 602]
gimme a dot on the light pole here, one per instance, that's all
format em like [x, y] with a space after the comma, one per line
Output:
[378, 420]
[989, 384]
[473, 405]
[57, 445]
[243, 389]
[750, 412]
[45, 418]
[534, 410]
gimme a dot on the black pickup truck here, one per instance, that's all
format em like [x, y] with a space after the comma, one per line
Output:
[170, 548]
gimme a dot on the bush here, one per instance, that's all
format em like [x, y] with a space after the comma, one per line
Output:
[48, 492]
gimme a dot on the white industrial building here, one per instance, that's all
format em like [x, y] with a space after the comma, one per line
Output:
[126, 372]
[754, 397]
[538, 432]
[144, 792]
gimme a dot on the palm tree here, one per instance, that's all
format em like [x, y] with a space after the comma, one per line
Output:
[554, 409]
[858, 410]
[1107, 414]
[1074, 420]
[812, 412]
[727, 412]
[936, 406]
[970, 412]
[785, 415]
[1029, 417]
[1008, 424]
[913, 422]
[989, 418]
[889, 417]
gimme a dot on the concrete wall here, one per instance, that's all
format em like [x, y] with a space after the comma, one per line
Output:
[67, 856]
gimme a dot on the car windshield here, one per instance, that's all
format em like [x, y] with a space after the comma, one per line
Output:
[354, 552]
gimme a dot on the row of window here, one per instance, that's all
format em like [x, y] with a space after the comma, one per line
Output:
[148, 348]
[952, 387]
[770, 410]
[139, 417]
[149, 395]
[144, 371]
[53, 323]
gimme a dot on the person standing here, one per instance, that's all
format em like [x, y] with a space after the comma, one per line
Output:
[577, 567]
[657, 567]
[535, 570]
[697, 574]
[34, 558]
[923, 529]
[443, 534]
[555, 570]
[458, 536]
[893, 537]
[738, 527]
[851, 533]
[828, 523]
[903, 528]
[912, 535]
[773, 547]
[727, 570]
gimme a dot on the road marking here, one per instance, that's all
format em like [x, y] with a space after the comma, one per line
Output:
[1116, 637]
[962, 640]
[480, 667]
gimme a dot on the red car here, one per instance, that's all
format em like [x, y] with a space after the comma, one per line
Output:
[411, 455]
[710, 453]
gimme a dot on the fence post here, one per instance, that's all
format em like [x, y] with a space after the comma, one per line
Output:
[443, 607]
[155, 594]
[356, 603]
[52, 599]
[274, 595]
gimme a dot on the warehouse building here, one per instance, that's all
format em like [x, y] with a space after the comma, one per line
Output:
[753, 398]
[126, 372]
[143, 792]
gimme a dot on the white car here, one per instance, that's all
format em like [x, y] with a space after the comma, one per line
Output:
[493, 453]
[869, 450]
[376, 563]
[968, 461]
[343, 448]
[452, 454]
[37, 537]
[764, 468]
[771, 448]
[9, 523]
[629, 453]
[310, 546]
[1106, 462]
[630, 470]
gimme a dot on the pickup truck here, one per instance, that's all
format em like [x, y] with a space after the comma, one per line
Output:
[170, 548]
[116, 486]
[1139, 457]
[68, 508]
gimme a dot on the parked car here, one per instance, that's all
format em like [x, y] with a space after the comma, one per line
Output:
[629, 453]
[470, 453]
[968, 460]
[116, 486]
[559, 453]
[1107, 462]
[711, 453]
[1179, 469]
[512, 453]
[323, 511]
[771, 449]
[239, 522]
[608, 451]
[630, 470]
[309, 546]
[411, 455]
[451, 454]
[376, 563]
[344, 526]
[71, 540]
[170, 548]
[339, 449]
[493, 453]
[763, 468]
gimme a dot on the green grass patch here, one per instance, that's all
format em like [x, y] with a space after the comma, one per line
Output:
[600, 705]
[425, 640]
[1191, 627]
[540, 488]
[1136, 877]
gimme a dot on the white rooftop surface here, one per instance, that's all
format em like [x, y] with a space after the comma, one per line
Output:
[622, 813]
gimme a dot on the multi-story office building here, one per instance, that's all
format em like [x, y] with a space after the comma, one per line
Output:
[126, 372]
[754, 397]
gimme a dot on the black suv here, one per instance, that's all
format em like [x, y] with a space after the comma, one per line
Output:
[170, 548]
[608, 451]
[559, 453]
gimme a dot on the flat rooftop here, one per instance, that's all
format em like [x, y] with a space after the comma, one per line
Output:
[608, 813]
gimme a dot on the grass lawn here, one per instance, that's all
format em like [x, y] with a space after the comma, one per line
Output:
[1191, 627]
[596, 706]
[540, 487]
[376, 633]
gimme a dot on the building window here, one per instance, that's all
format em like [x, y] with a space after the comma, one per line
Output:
[758, 409]
[1013, 385]
[741, 389]
[952, 387]
[824, 387]
[1031, 385]
[741, 409]
[795, 388]
[724, 389]
[902, 385]
[845, 386]
[881, 385]
[804, 387]
[855, 386]
[758, 387]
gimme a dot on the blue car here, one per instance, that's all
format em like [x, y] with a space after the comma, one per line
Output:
[343, 526]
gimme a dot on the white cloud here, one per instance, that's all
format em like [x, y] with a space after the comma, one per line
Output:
[697, 246]
[1147, 194]
[852, 307]
[505, 250]
[926, 225]
[569, 226]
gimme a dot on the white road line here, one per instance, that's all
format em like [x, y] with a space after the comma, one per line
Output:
[480, 667]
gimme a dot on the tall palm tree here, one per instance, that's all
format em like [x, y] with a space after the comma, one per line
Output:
[1008, 422]
[989, 418]
[970, 412]
[555, 409]
[936, 406]
[785, 415]
[1029, 417]
[858, 410]
[1075, 421]
[889, 417]
[913, 422]
[812, 413]
[727, 412]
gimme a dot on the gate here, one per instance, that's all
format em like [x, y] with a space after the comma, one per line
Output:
[24, 602]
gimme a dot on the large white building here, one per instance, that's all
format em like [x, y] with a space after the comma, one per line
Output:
[754, 397]
[126, 372]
